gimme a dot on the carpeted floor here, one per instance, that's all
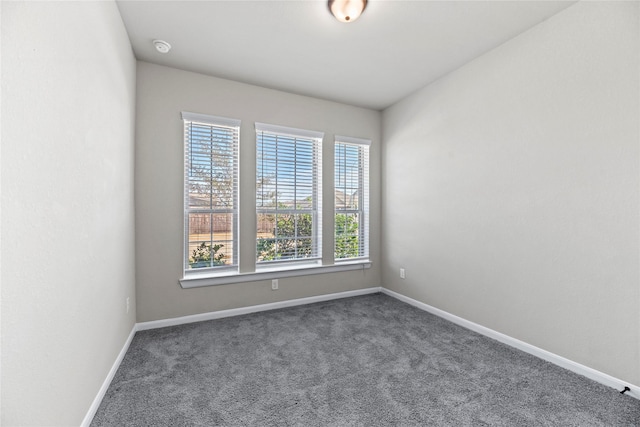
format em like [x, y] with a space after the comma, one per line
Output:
[363, 361]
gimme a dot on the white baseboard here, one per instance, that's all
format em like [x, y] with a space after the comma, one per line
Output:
[107, 381]
[251, 309]
[570, 365]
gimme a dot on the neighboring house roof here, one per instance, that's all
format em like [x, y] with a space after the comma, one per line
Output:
[346, 201]
[342, 200]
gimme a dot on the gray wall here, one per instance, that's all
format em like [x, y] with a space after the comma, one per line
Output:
[162, 93]
[511, 189]
[68, 87]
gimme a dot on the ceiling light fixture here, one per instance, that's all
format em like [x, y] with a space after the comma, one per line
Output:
[347, 10]
[162, 46]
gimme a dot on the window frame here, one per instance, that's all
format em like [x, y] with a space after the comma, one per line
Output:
[233, 125]
[316, 139]
[363, 146]
[323, 264]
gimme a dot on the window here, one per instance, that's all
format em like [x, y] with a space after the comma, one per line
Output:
[351, 183]
[288, 203]
[288, 195]
[211, 193]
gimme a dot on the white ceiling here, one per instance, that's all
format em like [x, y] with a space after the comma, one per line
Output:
[394, 48]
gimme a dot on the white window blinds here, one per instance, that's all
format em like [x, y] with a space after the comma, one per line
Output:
[288, 194]
[351, 183]
[211, 192]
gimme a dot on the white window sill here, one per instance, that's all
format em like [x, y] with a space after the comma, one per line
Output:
[200, 280]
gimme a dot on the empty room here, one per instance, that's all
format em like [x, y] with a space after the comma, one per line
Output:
[320, 213]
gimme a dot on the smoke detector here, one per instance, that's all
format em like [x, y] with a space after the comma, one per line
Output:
[162, 46]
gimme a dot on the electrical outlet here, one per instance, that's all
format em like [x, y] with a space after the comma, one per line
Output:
[274, 285]
[402, 276]
[127, 304]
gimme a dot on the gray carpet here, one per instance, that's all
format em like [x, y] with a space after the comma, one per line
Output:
[363, 361]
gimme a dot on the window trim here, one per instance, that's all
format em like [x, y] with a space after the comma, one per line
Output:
[316, 210]
[352, 140]
[201, 280]
[288, 131]
[223, 275]
[210, 120]
[364, 211]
